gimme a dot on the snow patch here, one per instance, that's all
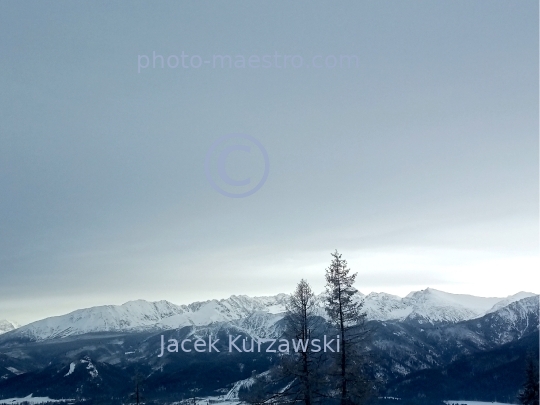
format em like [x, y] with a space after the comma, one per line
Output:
[15, 371]
[92, 370]
[71, 369]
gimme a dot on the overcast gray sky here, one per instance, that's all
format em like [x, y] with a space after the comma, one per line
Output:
[420, 164]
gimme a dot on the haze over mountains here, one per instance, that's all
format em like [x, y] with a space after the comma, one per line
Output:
[429, 305]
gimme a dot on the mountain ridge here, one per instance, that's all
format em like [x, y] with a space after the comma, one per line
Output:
[429, 306]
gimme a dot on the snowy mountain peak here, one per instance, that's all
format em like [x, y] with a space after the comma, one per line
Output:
[437, 296]
[509, 300]
[431, 305]
[7, 326]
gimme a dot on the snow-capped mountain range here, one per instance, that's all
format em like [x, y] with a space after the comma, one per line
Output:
[465, 338]
[429, 305]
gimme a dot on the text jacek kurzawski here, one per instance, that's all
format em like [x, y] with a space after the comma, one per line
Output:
[253, 345]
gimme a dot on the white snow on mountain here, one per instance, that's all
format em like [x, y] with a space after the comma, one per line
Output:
[431, 305]
[384, 307]
[435, 306]
[6, 326]
[141, 315]
[255, 314]
[131, 315]
[508, 300]
[15, 371]
[92, 370]
[71, 369]
[514, 320]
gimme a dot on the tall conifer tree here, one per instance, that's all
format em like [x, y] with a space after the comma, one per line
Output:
[301, 320]
[346, 315]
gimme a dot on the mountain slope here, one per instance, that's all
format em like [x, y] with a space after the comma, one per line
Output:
[493, 375]
[402, 347]
[83, 378]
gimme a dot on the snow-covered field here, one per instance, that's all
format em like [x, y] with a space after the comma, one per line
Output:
[462, 402]
[204, 401]
[33, 400]
[219, 400]
[208, 401]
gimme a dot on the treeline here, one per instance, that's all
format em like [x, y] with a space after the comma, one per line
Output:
[320, 377]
